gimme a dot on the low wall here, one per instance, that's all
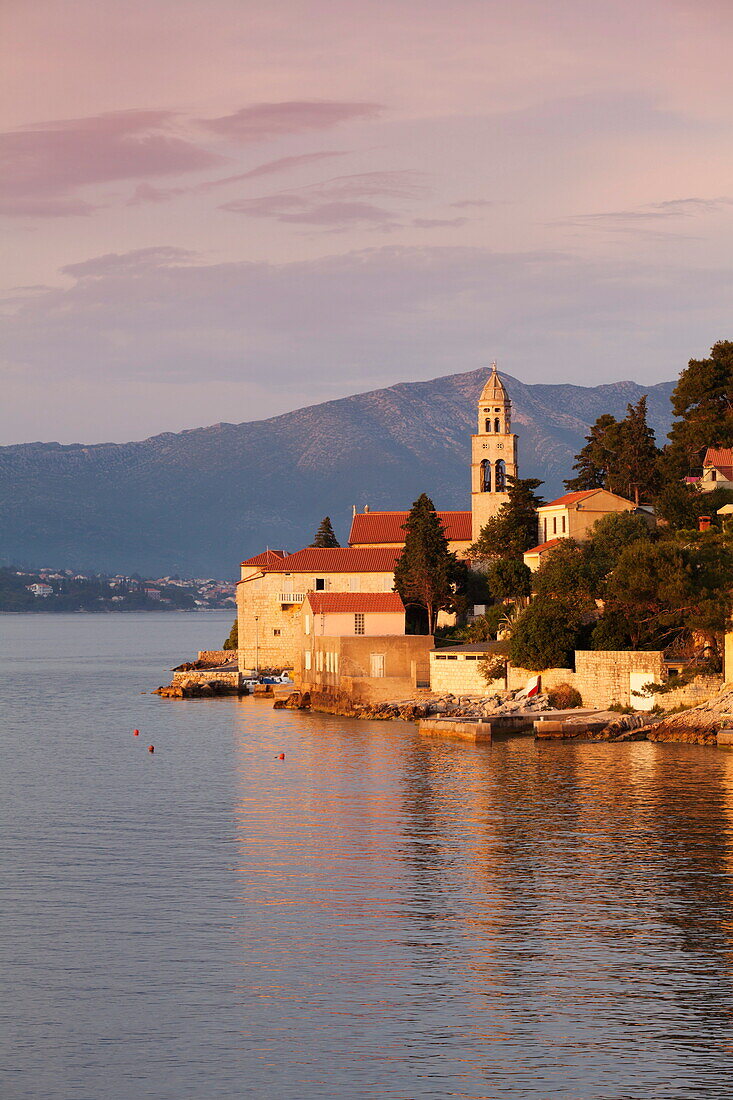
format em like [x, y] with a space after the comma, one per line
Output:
[217, 656]
[549, 678]
[603, 677]
[203, 676]
[698, 691]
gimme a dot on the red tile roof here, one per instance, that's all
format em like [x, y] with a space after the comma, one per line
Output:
[571, 498]
[326, 603]
[265, 558]
[543, 546]
[344, 559]
[719, 456]
[381, 527]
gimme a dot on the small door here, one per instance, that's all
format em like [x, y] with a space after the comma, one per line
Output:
[637, 680]
[377, 665]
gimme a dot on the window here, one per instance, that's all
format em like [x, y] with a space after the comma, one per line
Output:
[307, 659]
[358, 623]
[485, 476]
[554, 525]
[497, 427]
[487, 425]
[320, 584]
[500, 476]
[319, 660]
[563, 525]
[307, 624]
[276, 633]
[544, 530]
[440, 657]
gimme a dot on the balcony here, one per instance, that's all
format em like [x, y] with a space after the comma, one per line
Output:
[291, 597]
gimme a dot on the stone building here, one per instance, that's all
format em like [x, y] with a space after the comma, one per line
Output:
[274, 585]
[717, 470]
[387, 529]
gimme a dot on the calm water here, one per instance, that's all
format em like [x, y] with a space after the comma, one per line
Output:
[378, 916]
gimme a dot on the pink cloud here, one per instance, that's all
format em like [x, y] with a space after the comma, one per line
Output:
[437, 223]
[41, 166]
[337, 202]
[263, 121]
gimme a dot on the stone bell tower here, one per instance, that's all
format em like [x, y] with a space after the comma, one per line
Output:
[493, 453]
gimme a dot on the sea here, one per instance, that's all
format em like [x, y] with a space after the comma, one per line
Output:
[377, 915]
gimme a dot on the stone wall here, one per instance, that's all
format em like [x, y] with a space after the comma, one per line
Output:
[603, 677]
[460, 674]
[698, 691]
[202, 676]
[217, 656]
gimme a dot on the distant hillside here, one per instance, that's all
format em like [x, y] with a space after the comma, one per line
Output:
[197, 502]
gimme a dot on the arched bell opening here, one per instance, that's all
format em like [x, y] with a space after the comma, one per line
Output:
[485, 476]
[500, 476]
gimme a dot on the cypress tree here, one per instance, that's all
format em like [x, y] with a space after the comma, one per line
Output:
[633, 472]
[325, 535]
[426, 569]
[593, 461]
[514, 528]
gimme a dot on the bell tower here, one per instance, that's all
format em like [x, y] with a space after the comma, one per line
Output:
[493, 453]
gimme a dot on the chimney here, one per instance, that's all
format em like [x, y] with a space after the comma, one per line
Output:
[703, 523]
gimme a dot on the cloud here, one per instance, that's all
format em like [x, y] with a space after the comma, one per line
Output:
[42, 166]
[437, 223]
[654, 211]
[263, 121]
[465, 203]
[337, 202]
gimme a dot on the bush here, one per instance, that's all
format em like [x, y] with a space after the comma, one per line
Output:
[564, 697]
[232, 641]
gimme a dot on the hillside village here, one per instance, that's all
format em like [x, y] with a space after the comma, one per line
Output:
[619, 583]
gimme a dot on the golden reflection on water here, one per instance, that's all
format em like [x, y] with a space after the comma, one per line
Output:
[520, 905]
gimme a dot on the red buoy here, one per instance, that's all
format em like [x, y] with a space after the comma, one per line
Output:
[151, 748]
[281, 756]
[136, 733]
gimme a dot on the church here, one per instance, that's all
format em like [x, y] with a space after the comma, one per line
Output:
[275, 586]
[493, 460]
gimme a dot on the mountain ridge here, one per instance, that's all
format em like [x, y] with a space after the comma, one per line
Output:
[198, 501]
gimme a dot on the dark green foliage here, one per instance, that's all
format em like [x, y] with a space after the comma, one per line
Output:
[232, 641]
[594, 461]
[619, 455]
[14, 596]
[514, 529]
[567, 573]
[608, 538]
[509, 578]
[426, 571]
[545, 635]
[658, 591]
[702, 403]
[325, 535]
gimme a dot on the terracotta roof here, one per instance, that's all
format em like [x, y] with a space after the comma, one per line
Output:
[493, 391]
[381, 527]
[543, 546]
[326, 603]
[719, 456]
[344, 559]
[265, 558]
[571, 498]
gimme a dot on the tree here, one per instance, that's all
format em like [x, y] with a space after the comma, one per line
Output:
[619, 455]
[633, 472]
[567, 573]
[426, 570]
[509, 579]
[545, 635]
[514, 528]
[325, 535]
[608, 538]
[702, 402]
[232, 641]
[594, 460]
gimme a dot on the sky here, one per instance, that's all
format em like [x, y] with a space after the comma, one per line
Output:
[223, 210]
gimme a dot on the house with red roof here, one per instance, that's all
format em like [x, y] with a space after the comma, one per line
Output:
[717, 470]
[572, 516]
[274, 586]
[387, 529]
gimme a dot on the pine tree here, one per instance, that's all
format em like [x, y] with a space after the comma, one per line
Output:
[594, 460]
[702, 402]
[426, 569]
[325, 535]
[514, 528]
[232, 641]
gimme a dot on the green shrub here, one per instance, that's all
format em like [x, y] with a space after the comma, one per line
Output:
[564, 697]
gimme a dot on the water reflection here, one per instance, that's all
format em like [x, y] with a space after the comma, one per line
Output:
[519, 920]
